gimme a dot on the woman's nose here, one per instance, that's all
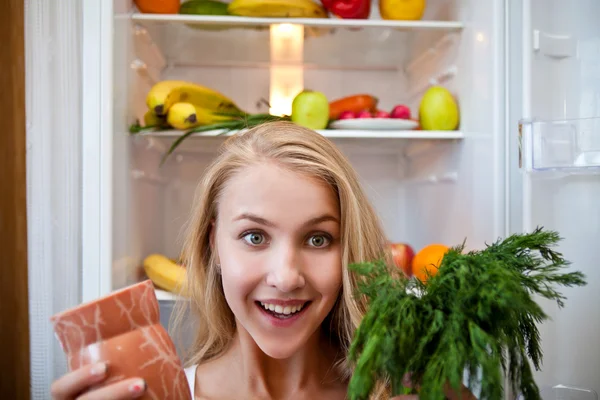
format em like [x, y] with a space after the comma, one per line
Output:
[285, 273]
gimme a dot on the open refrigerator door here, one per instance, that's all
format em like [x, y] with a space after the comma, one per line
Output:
[555, 173]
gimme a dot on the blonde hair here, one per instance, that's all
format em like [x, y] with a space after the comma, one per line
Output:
[362, 239]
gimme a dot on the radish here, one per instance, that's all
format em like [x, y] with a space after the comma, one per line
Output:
[382, 114]
[347, 115]
[364, 114]
[401, 112]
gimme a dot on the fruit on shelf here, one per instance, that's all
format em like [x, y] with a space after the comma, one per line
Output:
[401, 112]
[166, 93]
[438, 110]
[204, 7]
[403, 254]
[185, 116]
[381, 114]
[151, 119]
[165, 274]
[347, 115]
[427, 261]
[355, 103]
[157, 6]
[277, 8]
[405, 10]
[310, 109]
[348, 9]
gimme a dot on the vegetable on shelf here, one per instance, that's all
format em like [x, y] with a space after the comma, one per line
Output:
[402, 10]
[348, 9]
[277, 8]
[238, 122]
[158, 6]
[355, 103]
[478, 315]
[204, 7]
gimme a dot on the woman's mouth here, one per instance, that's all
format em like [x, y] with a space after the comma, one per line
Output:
[280, 314]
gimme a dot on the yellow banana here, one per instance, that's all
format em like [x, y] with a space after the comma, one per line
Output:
[277, 8]
[165, 274]
[186, 116]
[151, 119]
[166, 93]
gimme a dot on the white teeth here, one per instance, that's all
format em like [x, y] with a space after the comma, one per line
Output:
[287, 310]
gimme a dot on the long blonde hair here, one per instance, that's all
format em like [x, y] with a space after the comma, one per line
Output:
[362, 239]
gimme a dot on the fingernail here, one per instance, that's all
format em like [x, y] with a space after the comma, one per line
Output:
[138, 388]
[98, 369]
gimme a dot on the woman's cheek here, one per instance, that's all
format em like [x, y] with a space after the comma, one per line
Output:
[241, 272]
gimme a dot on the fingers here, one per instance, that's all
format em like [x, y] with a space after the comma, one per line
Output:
[463, 394]
[73, 383]
[126, 389]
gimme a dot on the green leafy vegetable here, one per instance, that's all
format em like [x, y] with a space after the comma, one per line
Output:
[477, 314]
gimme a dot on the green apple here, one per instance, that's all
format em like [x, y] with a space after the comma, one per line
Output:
[310, 109]
[438, 110]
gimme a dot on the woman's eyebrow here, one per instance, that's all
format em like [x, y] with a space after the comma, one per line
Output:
[262, 221]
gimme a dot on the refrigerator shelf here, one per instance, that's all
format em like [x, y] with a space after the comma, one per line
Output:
[163, 295]
[350, 141]
[235, 21]
[332, 133]
[571, 145]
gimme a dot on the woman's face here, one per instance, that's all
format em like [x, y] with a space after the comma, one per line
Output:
[278, 243]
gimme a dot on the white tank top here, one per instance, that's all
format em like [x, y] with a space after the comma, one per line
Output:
[190, 374]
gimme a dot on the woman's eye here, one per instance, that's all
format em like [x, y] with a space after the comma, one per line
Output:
[318, 241]
[254, 238]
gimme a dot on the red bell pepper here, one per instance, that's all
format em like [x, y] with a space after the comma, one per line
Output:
[348, 9]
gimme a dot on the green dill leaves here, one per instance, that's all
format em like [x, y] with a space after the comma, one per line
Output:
[477, 314]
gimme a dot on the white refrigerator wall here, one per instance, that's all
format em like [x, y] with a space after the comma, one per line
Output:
[424, 191]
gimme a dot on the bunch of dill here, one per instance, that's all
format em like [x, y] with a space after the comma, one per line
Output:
[477, 314]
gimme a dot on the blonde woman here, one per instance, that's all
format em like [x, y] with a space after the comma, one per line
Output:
[278, 217]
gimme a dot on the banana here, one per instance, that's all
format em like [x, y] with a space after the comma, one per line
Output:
[151, 119]
[164, 273]
[187, 115]
[166, 93]
[277, 8]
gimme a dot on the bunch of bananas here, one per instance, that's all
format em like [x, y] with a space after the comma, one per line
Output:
[185, 105]
[165, 273]
[277, 8]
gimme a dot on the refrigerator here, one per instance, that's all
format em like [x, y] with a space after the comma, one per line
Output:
[525, 73]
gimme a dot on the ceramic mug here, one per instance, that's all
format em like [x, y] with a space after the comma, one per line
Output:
[123, 329]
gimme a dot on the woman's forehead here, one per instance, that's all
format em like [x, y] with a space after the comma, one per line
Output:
[265, 189]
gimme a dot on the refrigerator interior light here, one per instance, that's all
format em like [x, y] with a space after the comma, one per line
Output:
[286, 71]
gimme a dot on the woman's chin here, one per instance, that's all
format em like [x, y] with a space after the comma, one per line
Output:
[279, 348]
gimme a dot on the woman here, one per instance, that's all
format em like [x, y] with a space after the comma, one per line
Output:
[278, 218]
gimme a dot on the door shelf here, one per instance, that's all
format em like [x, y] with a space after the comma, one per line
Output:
[571, 145]
[351, 141]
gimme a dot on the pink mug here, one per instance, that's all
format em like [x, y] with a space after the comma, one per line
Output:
[123, 329]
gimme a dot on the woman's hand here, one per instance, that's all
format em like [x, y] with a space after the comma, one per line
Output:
[451, 394]
[77, 385]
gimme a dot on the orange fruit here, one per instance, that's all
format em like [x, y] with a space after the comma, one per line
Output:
[429, 259]
[158, 6]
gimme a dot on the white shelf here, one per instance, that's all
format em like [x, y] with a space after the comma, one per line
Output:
[163, 295]
[349, 141]
[330, 133]
[317, 22]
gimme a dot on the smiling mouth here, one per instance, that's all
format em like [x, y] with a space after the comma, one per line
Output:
[282, 312]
